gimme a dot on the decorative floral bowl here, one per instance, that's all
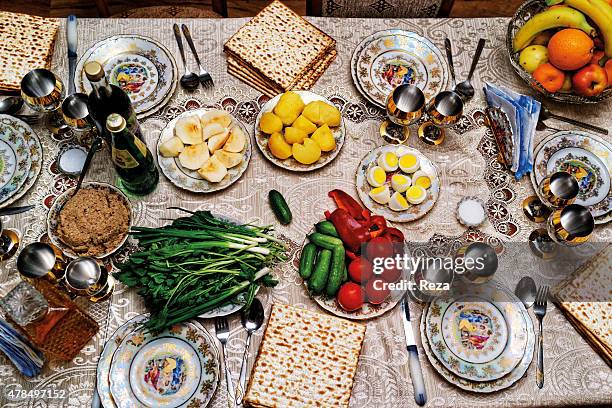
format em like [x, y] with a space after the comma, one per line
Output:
[525, 12]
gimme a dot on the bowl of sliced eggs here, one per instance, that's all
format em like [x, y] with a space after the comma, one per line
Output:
[398, 182]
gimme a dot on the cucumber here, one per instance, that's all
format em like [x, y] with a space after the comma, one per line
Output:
[280, 207]
[327, 228]
[336, 272]
[325, 241]
[307, 260]
[318, 279]
[345, 273]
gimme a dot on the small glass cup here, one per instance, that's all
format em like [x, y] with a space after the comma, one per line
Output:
[571, 225]
[558, 190]
[444, 110]
[405, 106]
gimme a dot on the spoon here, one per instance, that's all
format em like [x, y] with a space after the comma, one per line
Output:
[11, 105]
[189, 80]
[526, 291]
[92, 150]
[252, 320]
[465, 88]
[449, 57]
[547, 114]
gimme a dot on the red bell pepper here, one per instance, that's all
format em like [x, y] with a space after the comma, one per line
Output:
[349, 204]
[393, 234]
[351, 232]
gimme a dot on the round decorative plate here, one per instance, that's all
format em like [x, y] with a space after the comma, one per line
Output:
[588, 158]
[111, 345]
[19, 161]
[176, 368]
[36, 152]
[53, 218]
[389, 58]
[190, 180]
[141, 66]
[413, 212]
[291, 164]
[513, 305]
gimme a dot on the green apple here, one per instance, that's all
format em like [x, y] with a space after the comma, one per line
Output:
[532, 57]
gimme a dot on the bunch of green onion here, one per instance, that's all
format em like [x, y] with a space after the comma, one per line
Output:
[197, 264]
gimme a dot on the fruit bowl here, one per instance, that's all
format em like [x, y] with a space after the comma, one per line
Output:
[524, 13]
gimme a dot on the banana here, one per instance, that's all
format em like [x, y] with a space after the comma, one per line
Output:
[551, 18]
[601, 13]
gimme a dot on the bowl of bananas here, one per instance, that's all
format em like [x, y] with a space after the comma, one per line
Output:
[563, 48]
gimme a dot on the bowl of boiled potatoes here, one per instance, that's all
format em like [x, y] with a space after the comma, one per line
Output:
[299, 131]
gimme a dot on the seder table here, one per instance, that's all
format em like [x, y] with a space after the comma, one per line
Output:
[575, 374]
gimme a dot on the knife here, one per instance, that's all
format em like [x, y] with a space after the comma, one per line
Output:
[416, 374]
[15, 210]
[71, 39]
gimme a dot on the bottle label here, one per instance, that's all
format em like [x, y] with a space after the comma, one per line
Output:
[124, 159]
[141, 146]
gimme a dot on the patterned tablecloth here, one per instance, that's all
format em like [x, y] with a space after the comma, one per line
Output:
[574, 373]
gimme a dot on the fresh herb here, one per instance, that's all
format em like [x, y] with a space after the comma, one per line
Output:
[199, 263]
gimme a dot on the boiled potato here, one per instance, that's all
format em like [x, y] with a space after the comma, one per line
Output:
[294, 135]
[189, 130]
[324, 138]
[304, 124]
[329, 115]
[236, 141]
[194, 156]
[279, 147]
[212, 170]
[270, 123]
[306, 153]
[228, 159]
[312, 112]
[171, 147]
[289, 107]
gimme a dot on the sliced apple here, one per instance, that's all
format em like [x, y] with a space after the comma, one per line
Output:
[189, 130]
[194, 156]
[236, 141]
[211, 130]
[228, 159]
[171, 147]
[216, 116]
[213, 170]
[217, 141]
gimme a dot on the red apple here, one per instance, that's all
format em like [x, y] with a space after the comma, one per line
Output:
[608, 68]
[590, 80]
[597, 57]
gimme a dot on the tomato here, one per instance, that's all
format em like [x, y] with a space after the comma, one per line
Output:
[360, 270]
[391, 275]
[379, 247]
[377, 291]
[350, 296]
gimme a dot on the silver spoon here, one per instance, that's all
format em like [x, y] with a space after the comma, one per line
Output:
[526, 291]
[252, 320]
[189, 80]
[11, 105]
[465, 88]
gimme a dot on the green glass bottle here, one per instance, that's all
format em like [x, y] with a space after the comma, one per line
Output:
[132, 159]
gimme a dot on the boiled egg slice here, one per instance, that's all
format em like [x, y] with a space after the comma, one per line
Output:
[388, 161]
[376, 176]
[381, 195]
[409, 163]
[416, 194]
[420, 178]
[400, 182]
[398, 202]
[402, 150]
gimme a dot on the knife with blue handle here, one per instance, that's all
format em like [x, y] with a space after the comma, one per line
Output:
[71, 40]
[416, 374]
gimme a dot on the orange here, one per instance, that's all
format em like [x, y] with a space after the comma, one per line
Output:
[550, 77]
[570, 49]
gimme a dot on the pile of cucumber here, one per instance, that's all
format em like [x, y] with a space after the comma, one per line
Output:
[322, 263]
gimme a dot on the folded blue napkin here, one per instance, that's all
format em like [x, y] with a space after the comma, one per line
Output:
[523, 112]
[18, 349]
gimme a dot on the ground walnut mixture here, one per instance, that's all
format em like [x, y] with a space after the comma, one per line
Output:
[93, 221]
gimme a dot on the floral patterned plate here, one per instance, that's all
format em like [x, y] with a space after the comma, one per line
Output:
[142, 67]
[176, 368]
[34, 147]
[291, 164]
[190, 180]
[18, 161]
[511, 303]
[414, 212]
[588, 158]
[8, 163]
[389, 58]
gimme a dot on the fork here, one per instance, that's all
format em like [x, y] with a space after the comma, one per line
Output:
[223, 333]
[539, 309]
[32, 120]
[205, 78]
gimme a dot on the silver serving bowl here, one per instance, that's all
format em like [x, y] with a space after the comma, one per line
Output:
[522, 15]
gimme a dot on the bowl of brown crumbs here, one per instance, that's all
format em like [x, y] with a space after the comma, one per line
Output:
[93, 222]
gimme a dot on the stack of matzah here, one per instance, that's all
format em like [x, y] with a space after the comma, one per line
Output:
[586, 300]
[26, 43]
[305, 359]
[278, 51]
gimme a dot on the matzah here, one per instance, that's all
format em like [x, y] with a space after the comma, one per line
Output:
[26, 43]
[280, 45]
[305, 359]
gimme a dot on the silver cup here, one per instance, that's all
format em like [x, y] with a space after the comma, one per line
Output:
[479, 262]
[559, 189]
[42, 90]
[571, 225]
